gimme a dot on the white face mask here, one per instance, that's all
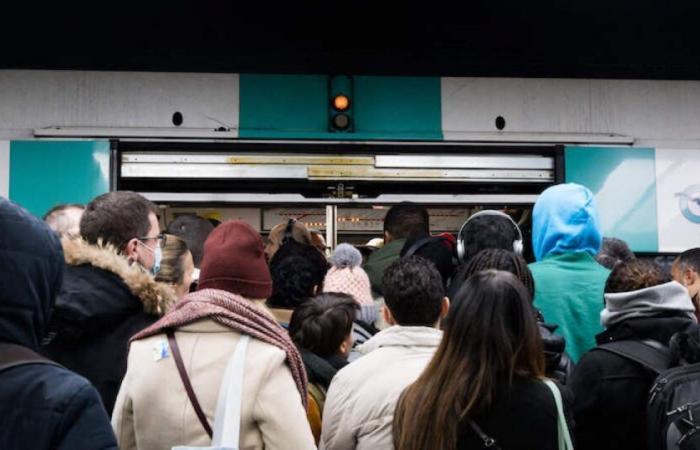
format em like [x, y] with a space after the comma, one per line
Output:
[157, 257]
[195, 275]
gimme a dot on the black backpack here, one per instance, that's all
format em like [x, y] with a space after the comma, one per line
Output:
[673, 409]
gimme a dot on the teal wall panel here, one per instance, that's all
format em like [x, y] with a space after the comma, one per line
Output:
[624, 182]
[296, 107]
[45, 173]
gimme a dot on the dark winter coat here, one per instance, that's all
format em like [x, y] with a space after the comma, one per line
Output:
[41, 406]
[524, 418]
[611, 392]
[103, 303]
[558, 365]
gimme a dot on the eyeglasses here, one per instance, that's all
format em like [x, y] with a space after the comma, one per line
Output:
[160, 239]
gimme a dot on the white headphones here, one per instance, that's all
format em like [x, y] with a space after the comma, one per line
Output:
[517, 244]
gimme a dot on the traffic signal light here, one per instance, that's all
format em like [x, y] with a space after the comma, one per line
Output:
[340, 104]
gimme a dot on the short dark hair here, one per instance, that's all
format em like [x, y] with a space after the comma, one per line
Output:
[413, 291]
[296, 268]
[690, 259]
[194, 230]
[407, 220]
[614, 251]
[487, 231]
[322, 324]
[634, 275]
[499, 259]
[116, 218]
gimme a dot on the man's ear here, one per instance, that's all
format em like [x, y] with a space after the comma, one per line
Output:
[444, 307]
[130, 250]
[388, 317]
[387, 237]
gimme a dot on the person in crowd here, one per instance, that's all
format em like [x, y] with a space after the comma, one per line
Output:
[43, 405]
[322, 331]
[346, 276]
[568, 281]
[292, 230]
[486, 229]
[318, 240]
[404, 221]
[154, 410]
[64, 219]
[613, 252]
[611, 391]
[558, 365]
[177, 266]
[194, 230]
[109, 291]
[360, 403]
[686, 270]
[485, 378]
[436, 249]
[297, 272]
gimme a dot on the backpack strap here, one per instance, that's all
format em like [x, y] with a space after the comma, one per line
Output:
[177, 356]
[651, 354]
[420, 243]
[13, 355]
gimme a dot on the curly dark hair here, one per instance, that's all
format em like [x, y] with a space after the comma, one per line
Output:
[322, 324]
[497, 259]
[634, 275]
[613, 252]
[413, 291]
[296, 269]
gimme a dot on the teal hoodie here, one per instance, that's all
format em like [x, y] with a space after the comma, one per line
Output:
[569, 283]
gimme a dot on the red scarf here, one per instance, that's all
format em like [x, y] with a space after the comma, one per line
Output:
[237, 313]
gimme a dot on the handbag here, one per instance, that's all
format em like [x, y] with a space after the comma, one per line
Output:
[564, 436]
[227, 421]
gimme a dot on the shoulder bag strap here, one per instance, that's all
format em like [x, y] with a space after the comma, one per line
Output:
[487, 440]
[564, 437]
[13, 355]
[186, 382]
[227, 424]
[650, 354]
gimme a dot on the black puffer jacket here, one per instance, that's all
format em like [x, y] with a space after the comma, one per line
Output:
[611, 392]
[104, 301]
[558, 365]
[42, 406]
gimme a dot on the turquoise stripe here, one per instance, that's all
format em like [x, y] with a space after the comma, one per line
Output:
[46, 173]
[296, 107]
[624, 182]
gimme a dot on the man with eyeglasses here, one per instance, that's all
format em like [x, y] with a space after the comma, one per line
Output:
[109, 292]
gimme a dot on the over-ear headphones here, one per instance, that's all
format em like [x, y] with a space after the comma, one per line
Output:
[517, 244]
[288, 230]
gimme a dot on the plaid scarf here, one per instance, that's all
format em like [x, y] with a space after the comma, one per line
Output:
[237, 313]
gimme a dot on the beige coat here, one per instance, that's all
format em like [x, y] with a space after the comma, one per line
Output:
[361, 400]
[153, 412]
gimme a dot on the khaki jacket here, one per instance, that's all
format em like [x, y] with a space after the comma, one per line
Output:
[361, 400]
[153, 412]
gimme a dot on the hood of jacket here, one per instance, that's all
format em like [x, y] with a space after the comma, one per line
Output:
[663, 300]
[31, 273]
[402, 336]
[101, 287]
[565, 220]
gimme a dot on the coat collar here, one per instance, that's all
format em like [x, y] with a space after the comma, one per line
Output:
[156, 297]
[402, 336]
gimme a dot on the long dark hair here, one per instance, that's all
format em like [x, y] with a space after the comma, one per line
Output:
[490, 337]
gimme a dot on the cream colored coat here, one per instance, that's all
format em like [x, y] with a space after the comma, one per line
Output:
[362, 397]
[153, 412]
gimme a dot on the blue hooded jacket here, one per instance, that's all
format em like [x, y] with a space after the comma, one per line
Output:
[569, 282]
[565, 220]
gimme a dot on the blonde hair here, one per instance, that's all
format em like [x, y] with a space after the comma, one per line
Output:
[172, 269]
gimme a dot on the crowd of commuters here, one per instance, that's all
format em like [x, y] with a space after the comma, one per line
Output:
[114, 334]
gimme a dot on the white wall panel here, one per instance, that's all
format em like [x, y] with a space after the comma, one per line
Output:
[653, 112]
[5, 169]
[38, 99]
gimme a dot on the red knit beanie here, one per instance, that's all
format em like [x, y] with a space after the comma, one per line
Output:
[234, 261]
